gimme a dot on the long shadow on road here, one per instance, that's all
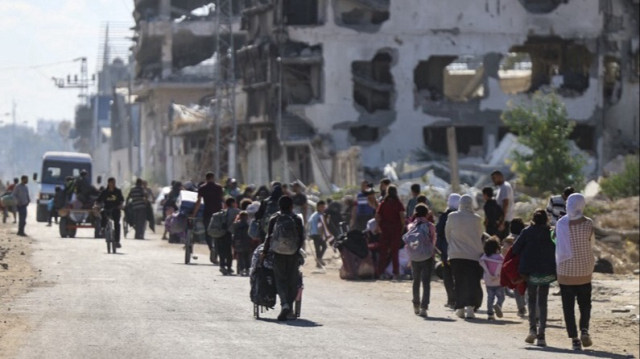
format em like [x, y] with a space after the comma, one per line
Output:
[302, 323]
[591, 353]
[437, 319]
[494, 322]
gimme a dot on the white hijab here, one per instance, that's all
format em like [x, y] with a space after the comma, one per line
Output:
[575, 208]
[453, 201]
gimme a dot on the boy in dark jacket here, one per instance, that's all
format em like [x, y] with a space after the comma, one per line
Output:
[538, 265]
[492, 212]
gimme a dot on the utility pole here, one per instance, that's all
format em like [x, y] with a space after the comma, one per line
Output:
[225, 84]
[281, 38]
[452, 147]
[13, 138]
[82, 83]
[130, 129]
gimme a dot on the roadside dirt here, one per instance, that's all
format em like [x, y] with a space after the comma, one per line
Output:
[614, 322]
[16, 277]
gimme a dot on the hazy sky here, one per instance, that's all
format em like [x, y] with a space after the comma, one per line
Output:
[37, 33]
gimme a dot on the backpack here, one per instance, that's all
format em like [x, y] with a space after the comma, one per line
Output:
[419, 243]
[285, 236]
[218, 224]
[271, 208]
[254, 229]
[241, 238]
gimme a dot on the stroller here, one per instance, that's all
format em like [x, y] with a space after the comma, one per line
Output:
[263, 285]
[357, 262]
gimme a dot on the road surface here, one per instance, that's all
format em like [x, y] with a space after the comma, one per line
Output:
[145, 303]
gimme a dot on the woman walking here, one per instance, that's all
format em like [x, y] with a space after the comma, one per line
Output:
[390, 220]
[464, 237]
[575, 260]
[538, 267]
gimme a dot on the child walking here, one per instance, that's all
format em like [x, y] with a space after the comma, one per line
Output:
[420, 242]
[242, 243]
[491, 262]
[517, 225]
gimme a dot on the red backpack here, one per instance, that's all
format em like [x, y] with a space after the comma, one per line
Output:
[509, 275]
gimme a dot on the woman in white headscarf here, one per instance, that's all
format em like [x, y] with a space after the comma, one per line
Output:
[464, 231]
[574, 262]
[441, 243]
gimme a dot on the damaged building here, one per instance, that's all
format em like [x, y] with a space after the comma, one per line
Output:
[325, 77]
[174, 54]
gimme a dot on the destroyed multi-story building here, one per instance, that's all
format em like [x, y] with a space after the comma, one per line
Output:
[174, 53]
[336, 86]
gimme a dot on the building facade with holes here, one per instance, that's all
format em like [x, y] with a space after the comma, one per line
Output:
[368, 82]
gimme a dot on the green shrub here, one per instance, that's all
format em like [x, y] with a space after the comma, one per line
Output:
[626, 183]
[543, 126]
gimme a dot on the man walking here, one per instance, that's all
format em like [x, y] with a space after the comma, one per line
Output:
[21, 195]
[211, 194]
[505, 199]
[137, 203]
[285, 237]
[557, 206]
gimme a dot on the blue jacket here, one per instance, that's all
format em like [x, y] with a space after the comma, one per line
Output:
[536, 250]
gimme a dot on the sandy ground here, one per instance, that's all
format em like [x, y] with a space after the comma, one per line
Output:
[145, 304]
[17, 276]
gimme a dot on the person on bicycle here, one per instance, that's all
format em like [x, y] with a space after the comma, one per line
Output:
[112, 200]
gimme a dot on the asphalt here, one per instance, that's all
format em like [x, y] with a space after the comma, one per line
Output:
[145, 303]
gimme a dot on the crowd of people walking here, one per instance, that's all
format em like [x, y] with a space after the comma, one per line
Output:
[513, 257]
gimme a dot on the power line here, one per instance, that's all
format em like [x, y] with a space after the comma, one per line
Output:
[35, 66]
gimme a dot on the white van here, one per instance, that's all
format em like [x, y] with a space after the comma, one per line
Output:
[56, 166]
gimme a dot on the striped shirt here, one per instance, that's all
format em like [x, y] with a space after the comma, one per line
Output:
[579, 269]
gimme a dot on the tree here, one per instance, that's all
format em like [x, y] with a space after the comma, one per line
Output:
[543, 126]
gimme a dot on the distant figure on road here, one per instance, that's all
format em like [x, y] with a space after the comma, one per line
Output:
[112, 200]
[492, 212]
[299, 201]
[285, 237]
[575, 260]
[505, 199]
[413, 201]
[318, 232]
[464, 236]
[137, 201]
[557, 206]
[364, 208]
[10, 206]
[21, 195]
[390, 218]
[211, 194]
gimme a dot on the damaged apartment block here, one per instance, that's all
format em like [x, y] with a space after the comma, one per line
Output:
[562, 64]
[301, 73]
[373, 96]
[364, 15]
[457, 79]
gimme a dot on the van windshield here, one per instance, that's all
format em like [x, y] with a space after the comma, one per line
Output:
[54, 172]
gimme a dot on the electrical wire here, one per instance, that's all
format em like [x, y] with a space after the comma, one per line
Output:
[8, 68]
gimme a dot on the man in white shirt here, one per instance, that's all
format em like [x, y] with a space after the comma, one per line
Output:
[505, 200]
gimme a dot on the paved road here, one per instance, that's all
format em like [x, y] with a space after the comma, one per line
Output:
[143, 303]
